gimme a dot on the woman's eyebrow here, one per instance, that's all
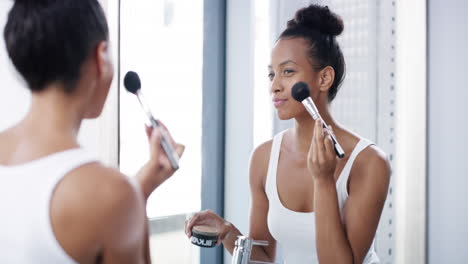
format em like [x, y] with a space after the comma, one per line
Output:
[283, 63]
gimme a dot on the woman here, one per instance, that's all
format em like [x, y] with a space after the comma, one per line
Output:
[58, 203]
[316, 208]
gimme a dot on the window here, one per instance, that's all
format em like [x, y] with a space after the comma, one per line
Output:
[263, 109]
[163, 42]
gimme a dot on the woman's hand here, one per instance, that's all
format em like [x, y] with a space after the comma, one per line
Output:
[321, 159]
[211, 219]
[158, 169]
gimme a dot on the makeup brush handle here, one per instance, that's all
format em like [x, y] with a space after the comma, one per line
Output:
[338, 149]
[166, 145]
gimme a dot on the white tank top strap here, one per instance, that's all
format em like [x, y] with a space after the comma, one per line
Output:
[271, 189]
[342, 182]
[342, 192]
[64, 163]
[59, 165]
[67, 161]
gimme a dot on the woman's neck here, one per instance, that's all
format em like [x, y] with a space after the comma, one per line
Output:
[53, 114]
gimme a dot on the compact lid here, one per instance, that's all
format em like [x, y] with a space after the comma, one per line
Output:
[205, 230]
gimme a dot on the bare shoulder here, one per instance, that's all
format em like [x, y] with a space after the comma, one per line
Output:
[374, 158]
[98, 187]
[372, 166]
[259, 163]
[97, 204]
[261, 154]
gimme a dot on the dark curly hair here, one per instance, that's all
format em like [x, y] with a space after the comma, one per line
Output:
[320, 27]
[49, 40]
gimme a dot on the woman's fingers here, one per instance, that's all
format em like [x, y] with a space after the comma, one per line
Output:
[155, 142]
[189, 225]
[155, 136]
[202, 218]
[313, 150]
[180, 149]
[149, 131]
[319, 141]
[329, 146]
[209, 218]
[322, 156]
[164, 127]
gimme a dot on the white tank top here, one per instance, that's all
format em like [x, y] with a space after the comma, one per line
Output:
[294, 231]
[26, 234]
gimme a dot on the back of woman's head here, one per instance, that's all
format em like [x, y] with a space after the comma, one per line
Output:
[320, 27]
[49, 40]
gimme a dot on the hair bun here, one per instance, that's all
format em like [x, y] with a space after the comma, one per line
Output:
[317, 17]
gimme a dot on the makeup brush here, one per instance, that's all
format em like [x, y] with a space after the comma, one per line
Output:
[133, 85]
[301, 93]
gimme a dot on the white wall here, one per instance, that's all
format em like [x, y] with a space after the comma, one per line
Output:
[14, 96]
[100, 135]
[448, 129]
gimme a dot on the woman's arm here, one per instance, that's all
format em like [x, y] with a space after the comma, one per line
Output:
[368, 189]
[228, 233]
[348, 243]
[259, 204]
